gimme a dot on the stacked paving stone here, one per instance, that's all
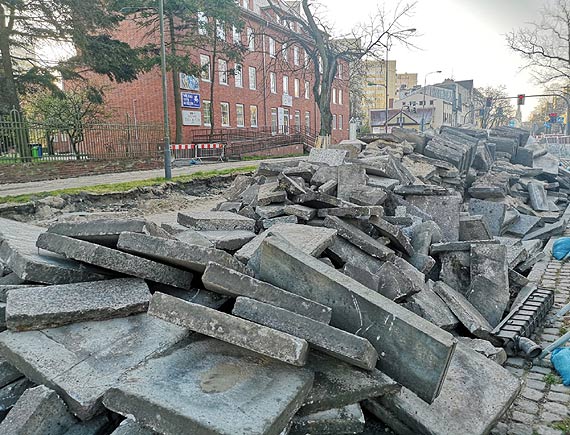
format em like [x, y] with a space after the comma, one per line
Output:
[360, 288]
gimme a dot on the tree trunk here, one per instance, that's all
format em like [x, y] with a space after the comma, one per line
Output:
[175, 83]
[11, 97]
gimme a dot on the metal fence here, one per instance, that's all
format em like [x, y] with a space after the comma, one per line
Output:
[22, 140]
[559, 145]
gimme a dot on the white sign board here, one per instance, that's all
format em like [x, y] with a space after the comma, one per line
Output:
[191, 117]
[287, 100]
[280, 116]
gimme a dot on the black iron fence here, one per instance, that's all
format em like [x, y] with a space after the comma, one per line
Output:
[22, 140]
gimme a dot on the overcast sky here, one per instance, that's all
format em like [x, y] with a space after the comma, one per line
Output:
[463, 38]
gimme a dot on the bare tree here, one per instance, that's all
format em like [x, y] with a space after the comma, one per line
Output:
[327, 50]
[545, 44]
[500, 111]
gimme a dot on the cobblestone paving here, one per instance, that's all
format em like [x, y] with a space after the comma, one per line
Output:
[543, 406]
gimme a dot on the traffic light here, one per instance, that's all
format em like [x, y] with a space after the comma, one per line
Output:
[520, 99]
[489, 102]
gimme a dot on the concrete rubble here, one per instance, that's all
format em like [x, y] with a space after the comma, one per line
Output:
[366, 286]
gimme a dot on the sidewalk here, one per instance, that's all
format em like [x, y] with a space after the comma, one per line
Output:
[121, 177]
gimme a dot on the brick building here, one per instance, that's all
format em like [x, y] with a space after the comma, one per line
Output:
[270, 87]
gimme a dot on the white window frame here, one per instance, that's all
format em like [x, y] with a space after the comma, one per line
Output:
[202, 23]
[236, 35]
[245, 4]
[273, 82]
[296, 55]
[307, 118]
[297, 88]
[253, 120]
[252, 71]
[226, 106]
[206, 113]
[271, 44]
[223, 72]
[286, 85]
[285, 50]
[240, 119]
[220, 30]
[340, 97]
[334, 122]
[307, 87]
[339, 122]
[238, 75]
[250, 39]
[334, 96]
[206, 75]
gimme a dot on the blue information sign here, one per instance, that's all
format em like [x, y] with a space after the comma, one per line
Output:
[190, 100]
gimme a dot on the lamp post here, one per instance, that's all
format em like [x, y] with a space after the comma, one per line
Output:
[424, 101]
[167, 157]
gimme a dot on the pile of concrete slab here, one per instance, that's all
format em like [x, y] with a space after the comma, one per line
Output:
[361, 287]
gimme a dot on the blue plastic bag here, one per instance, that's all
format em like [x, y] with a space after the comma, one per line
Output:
[561, 249]
[561, 360]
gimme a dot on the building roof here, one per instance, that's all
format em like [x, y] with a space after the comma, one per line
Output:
[378, 116]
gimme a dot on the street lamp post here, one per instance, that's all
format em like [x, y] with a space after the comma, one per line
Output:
[424, 99]
[167, 157]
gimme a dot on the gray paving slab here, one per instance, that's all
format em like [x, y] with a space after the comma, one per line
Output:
[83, 360]
[231, 329]
[396, 333]
[211, 387]
[431, 307]
[36, 308]
[39, 411]
[106, 231]
[538, 199]
[176, 253]
[18, 250]
[95, 426]
[333, 341]
[227, 281]
[10, 394]
[393, 233]
[131, 427]
[227, 240]
[215, 221]
[329, 157]
[474, 228]
[351, 177]
[444, 211]
[339, 384]
[114, 260]
[302, 212]
[345, 420]
[8, 373]
[492, 212]
[475, 395]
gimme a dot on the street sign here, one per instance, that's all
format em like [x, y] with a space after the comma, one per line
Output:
[190, 100]
[512, 123]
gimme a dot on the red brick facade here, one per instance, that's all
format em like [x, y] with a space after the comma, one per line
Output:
[142, 99]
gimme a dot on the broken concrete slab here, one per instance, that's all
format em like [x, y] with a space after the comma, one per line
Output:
[492, 212]
[36, 308]
[343, 252]
[269, 193]
[83, 360]
[474, 228]
[329, 188]
[10, 394]
[438, 248]
[467, 314]
[8, 373]
[18, 250]
[351, 177]
[227, 281]
[193, 237]
[302, 212]
[131, 427]
[444, 211]
[431, 307]
[547, 231]
[382, 182]
[176, 253]
[359, 238]
[395, 284]
[368, 196]
[270, 211]
[346, 420]
[215, 221]
[332, 341]
[523, 225]
[292, 185]
[393, 233]
[226, 240]
[489, 290]
[239, 332]
[496, 354]
[106, 231]
[38, 411]
[95, 426]
[329, 157]
[220, 389]
[390, 328]
[114, 260]
[268, 223]
[339, 384]
[538, 198]
[475, 394]
[198, 296]
[352, 212]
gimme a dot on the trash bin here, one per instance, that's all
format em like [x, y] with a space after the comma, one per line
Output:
[40, 151]
[35, 152]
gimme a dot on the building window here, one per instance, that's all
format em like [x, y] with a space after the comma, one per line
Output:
[307, 90]
[297, 121]
[252, 78]
[225, 114]
[334, 122]
[273, 82]
[308, 120]
[220, 30]
[340, 96]
[245, 4]
[223, 71]
[340, 122]
[202, 23]
[297, 88]
[286, 85]
[240, 115]
[296, 55]
[273, 121]
[285, 49]
[206, 113]
[238, 73]
[206, 68]
[236, 35]
[271, 47]
[339, 70]
[431, 102]
[250, 39]
[253, 116]
[334, 96]
[305, 58]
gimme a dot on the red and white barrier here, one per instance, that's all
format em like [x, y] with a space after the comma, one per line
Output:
[197, 151]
